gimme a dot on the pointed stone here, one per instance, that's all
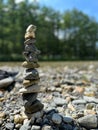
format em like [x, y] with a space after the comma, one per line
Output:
[89, 121]
[28, 83]
[31, 28]
[30, 65]
[32, 89]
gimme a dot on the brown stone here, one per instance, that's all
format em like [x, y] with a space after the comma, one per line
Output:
[29, 35]
[34, 107]
[79, 90]
[30, 65]
[28, 83]
[89, 94]
[2, 114]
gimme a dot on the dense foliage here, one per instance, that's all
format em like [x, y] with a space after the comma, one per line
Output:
[71, 35]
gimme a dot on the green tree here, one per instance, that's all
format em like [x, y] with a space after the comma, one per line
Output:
[80, 34]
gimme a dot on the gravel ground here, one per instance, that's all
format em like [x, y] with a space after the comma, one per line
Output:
[70, 99]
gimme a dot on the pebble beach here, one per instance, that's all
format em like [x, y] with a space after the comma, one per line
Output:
[70, 99]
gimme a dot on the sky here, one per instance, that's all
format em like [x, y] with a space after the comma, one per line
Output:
[89, 7]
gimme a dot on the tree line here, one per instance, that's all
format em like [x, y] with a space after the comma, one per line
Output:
[71, 35]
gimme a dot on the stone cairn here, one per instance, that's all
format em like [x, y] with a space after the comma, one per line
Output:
[31, 76]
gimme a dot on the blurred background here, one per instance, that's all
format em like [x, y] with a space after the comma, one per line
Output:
[66, 29]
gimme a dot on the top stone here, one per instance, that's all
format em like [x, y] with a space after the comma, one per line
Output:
[30, 32]
[31, 28]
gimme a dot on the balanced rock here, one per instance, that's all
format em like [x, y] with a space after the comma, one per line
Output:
[29, 98]
[32, 89]
[31, 74]
[30, 32]
[27, 83]
[30, 57]
[31, 48]
[30, 65]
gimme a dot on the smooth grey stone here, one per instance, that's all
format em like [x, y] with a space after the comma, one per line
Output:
[59, 101]
[34, 107]
[31, 74]
[26, 126]
[91, 99]
[9, 126]
[89, 121]
[79, 102]
[28, 98]
[56, 118]
[67, 119]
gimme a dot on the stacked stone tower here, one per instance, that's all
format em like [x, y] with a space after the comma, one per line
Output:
[31, 76]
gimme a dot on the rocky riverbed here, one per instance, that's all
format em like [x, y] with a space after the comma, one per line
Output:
[70, 99]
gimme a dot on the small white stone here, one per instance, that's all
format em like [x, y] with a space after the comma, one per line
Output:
[34, 127]
[47, 127]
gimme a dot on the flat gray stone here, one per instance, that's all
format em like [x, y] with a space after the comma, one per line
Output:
[89, 121]
[9, 126]
[59, 101]
[91, 99]
[32, 89]
[25, 127]
[79, 102]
